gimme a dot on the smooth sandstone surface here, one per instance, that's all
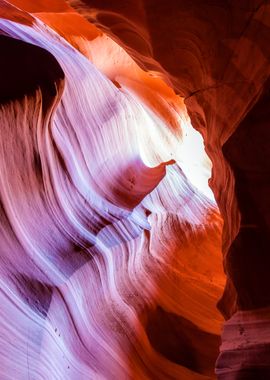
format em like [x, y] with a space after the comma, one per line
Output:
[113, 246]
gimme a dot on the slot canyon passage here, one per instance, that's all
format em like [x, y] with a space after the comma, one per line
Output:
[134, 190]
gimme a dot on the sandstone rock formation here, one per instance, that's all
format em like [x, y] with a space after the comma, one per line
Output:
[112, 243]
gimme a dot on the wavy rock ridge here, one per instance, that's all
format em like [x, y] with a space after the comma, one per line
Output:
[111, 263]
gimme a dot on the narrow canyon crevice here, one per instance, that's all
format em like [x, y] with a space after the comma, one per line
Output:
[116, 262]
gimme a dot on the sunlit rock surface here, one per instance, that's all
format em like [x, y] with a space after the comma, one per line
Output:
[111, 239]
[216, 55]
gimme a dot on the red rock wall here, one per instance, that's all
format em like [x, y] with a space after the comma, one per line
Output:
[111, 262]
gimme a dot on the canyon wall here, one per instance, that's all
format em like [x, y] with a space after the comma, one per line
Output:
[113, 246]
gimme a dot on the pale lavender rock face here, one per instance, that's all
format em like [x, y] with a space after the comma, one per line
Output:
[97, 245]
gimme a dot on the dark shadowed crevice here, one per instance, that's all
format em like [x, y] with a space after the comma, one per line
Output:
[248, 152]
[25, 68]
[182, 342]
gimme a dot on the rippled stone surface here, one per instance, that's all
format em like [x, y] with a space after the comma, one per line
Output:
[111, 239]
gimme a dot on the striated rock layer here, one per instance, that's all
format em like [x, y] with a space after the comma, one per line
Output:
[216, 55]
[111, 240]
